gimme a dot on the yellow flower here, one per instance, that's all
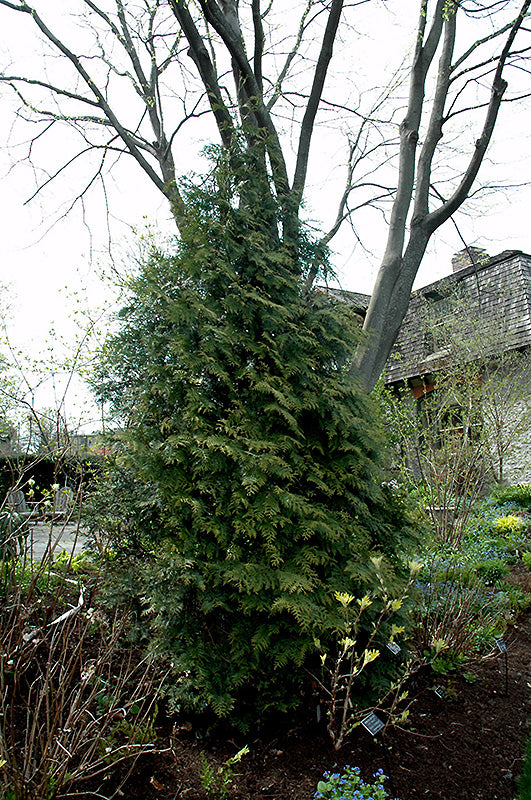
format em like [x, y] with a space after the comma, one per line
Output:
[348, 643]
[395, 605]
[344, 598]
[370, 655]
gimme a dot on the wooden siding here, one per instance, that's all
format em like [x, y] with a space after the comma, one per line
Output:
[496, 296]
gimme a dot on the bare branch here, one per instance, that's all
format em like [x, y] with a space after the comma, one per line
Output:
[491, 60]
[499, 85]
[165, 185]
[206, 69]
[308, 122]
[228, 28]
[489, 38]
[11, 79]
[409, 131]
[278, 85]
[434, 132]
[53, 115]
[258, 43]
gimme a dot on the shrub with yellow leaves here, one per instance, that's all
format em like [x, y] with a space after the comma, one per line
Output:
[356, 649]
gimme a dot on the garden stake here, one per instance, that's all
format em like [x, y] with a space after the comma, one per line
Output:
[374, 725]
[502, 647]
[388, 768]
[506, 674]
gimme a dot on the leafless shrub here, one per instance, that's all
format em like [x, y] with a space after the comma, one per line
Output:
[74, 699]
[453, 611]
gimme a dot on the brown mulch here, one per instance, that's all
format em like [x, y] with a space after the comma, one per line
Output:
[467, 746]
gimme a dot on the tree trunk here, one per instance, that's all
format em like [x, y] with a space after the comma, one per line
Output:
[388, 307]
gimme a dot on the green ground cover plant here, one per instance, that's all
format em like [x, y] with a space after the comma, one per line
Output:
[217, 782]
[464, 600]
[508, 523]
[349, 785]
[519, 494]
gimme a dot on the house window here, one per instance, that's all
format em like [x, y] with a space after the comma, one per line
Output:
[436, 327]
[454, 423]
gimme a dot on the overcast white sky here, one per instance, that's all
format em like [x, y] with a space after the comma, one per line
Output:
[45, 268]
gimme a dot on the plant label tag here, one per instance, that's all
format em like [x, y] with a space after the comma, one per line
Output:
[500, 644]
[439, 691]
[373, 724]
[394, 648]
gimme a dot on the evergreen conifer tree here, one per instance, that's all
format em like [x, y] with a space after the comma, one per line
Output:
[263, 454]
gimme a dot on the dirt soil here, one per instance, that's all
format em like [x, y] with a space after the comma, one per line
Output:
[465, 746]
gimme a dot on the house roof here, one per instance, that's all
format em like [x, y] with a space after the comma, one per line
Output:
[360, 302]
[494, 298]
[494, 293]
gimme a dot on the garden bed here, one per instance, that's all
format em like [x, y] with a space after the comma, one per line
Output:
[467, 746]
[464, 739]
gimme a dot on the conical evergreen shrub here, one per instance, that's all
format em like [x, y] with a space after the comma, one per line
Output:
[263, 454]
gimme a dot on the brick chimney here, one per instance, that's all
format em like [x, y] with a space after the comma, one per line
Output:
[468, 256]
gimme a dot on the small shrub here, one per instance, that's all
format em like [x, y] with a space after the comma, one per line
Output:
[517, 600]
[455, 610]
[356, 649]
[446, 663]
[57, 731]
[350, 786]
[520, 494]
[526, 559]
[217, 782]
[507, 524]
[492, 570]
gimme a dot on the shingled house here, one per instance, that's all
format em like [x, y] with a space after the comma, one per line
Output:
[493, 294]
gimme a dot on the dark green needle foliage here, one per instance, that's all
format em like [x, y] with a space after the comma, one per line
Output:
[262, 452]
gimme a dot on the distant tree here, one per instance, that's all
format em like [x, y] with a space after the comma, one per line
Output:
[152, 68]
[48, 433]
[263, 455]
[477, 346]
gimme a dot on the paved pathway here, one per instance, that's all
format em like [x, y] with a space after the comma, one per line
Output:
[58, 535]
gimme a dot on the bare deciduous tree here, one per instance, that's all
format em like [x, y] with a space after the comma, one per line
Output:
[258, 72]
[410, 231]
